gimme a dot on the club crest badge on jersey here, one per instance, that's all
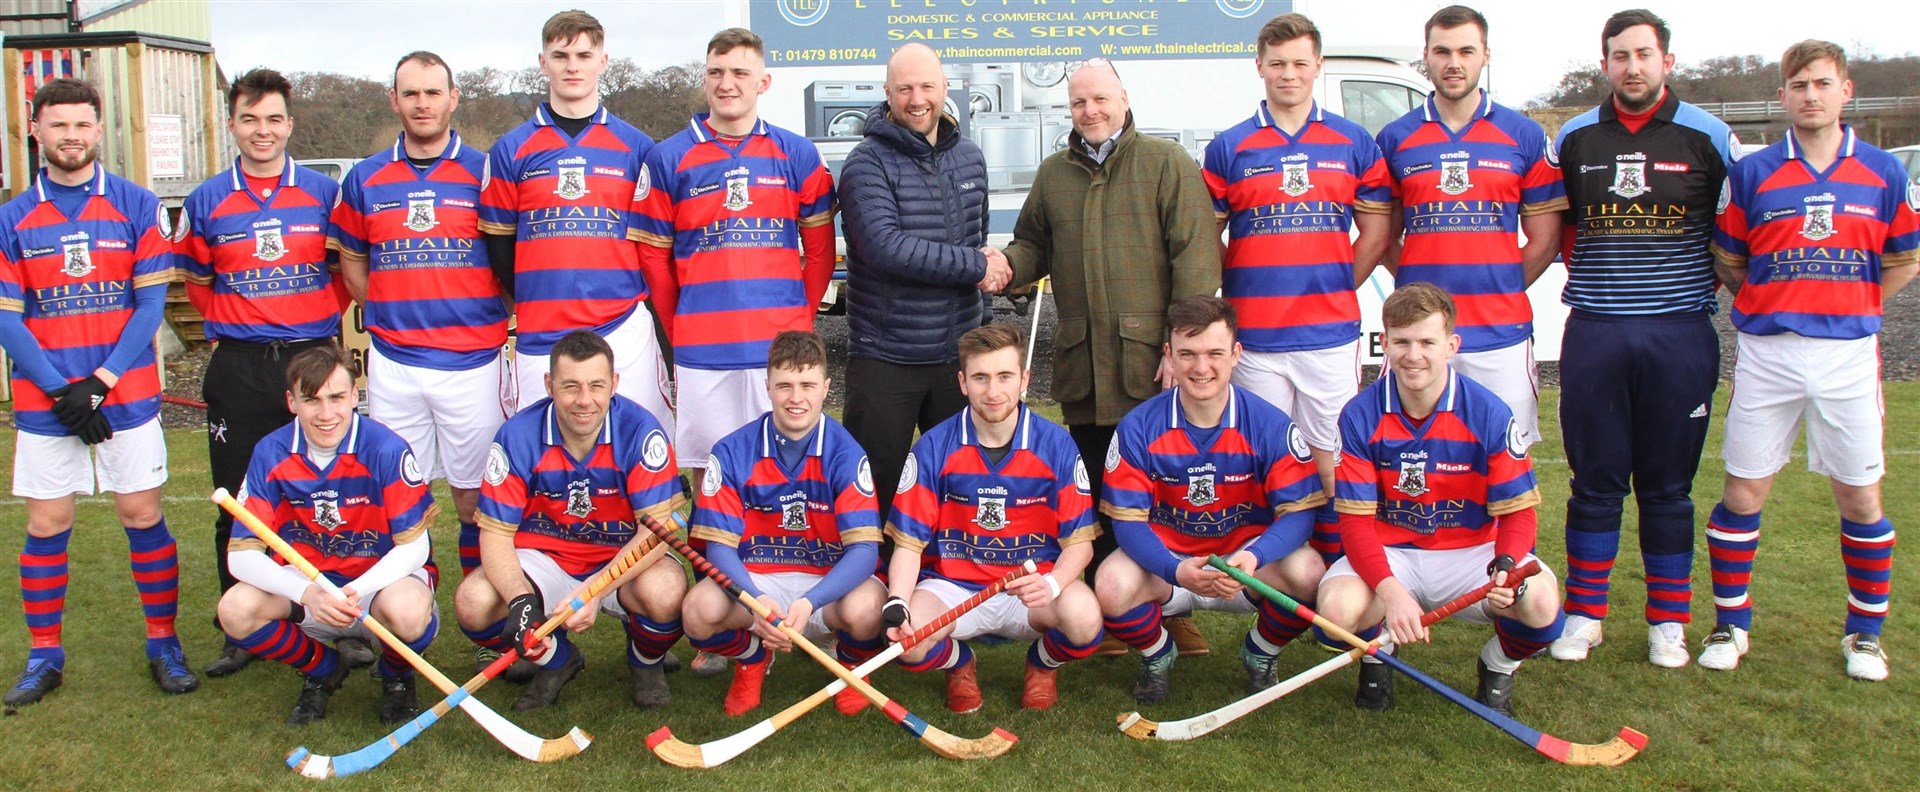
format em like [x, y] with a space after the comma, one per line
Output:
[420, 216]
[1113, 453]
[1630, 179]
[1297, 444]
[653, 452]
[326, 513]
[1080, 480]
[710, 483]
[1295, 181]
[1516, 439]
[1200, 490]
[268, 245]
[580, 498]
[410, 470]
[737, 198]
[643, 184]
[991, 513]
[573, 183]
[909, 473]
[76, 260]
[863, 478]
[1454, 179]
[793, 516]
[496, 465]
[1817, 223]
[1413, 478]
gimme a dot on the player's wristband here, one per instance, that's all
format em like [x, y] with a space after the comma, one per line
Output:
[894, 613]
[1052, 585]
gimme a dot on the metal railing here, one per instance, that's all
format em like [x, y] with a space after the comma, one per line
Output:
[1731, 112]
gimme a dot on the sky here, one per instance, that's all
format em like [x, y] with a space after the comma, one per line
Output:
[1532, 42]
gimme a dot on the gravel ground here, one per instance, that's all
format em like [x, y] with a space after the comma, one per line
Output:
[1899, 353]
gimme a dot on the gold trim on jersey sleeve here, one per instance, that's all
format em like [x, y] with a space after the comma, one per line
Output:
[1524, 500]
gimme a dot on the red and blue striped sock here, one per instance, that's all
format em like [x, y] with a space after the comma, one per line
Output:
[946, 655]
[649, 640]
[854, 651]
[156, 573]
[1867, 551]
[1669, 587]
[1274, 628]
[741, 645]
[43, 594]
[1519, 642]
[393, 664]
[469, 548]
[1732, 541]
[1590, 556]
[283, 641]
[1053, 649]
[1140, 628]
[492, 636]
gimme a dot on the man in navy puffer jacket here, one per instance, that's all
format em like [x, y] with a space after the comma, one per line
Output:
[913, 197]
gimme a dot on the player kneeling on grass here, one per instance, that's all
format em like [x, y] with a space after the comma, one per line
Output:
[982, 492]
[347, 493]
[563, 483]
[1436, 494]
[787, 510]
[1206, 467]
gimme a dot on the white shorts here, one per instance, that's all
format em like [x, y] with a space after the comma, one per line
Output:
[727, 400]
[448, 417]
[1437, 577]
[556, 586]
[1509, 373]
[133, 460]
[1834, 385]
[1312, 386]
[785, 587]
[1003, 614]
[324, 632]
[636, 358]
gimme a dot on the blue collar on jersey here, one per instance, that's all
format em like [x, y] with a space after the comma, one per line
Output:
[704, 133]
[1229, 418]
[767, 430]
[1432, 113]
[348, 446]
[1846, 144]
[98, 187]
[1265, 119]
[452, 152]
[541, 115]
[287, 175]
[551, 434]
[1390, 393]
[1022, 434]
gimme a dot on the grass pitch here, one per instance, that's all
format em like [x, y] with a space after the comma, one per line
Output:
[1787, 719]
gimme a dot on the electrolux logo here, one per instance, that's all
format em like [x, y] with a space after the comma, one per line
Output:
[804, 13]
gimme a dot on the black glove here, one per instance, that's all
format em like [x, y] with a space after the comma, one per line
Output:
[81, 398]
[894, 613]
[523, 620]
[94, 428]
[1505, 563]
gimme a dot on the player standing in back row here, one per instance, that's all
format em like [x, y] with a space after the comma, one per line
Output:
[1816, 233]
[555, 212]
[1470, 176]
[1640, 358]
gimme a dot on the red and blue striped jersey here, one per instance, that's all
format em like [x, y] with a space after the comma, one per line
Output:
[1437, 484]
[1289, 201]
[738, 237]
[432, 300]
[975, 520]
[1462, 195]
[258, 268]
[566, 201]
[1198, 501]
[784, 520]
[74, 282]
[1815, 244]
[344, 516]
[580, 512]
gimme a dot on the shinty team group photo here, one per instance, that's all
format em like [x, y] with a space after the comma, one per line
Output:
[1216, 449]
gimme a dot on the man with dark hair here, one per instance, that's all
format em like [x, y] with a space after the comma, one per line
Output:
[410, 249]
[786, 509]
[1436, 495]
[1206, 467]
[84, 268]
[556, 215]
[981, 494]
[564, 483]
[1816, 234]
[1469, 178]
[253, 242]
[915, 198]
[1640, 359]
[347, 493]
[734, 224]
[1302, 195]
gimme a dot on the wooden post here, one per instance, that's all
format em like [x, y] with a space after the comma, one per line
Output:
[210, 112]
[138, 169]
[19, 170]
